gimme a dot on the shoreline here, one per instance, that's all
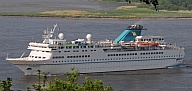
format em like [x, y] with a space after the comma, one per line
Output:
[121, 12]
[106, 18]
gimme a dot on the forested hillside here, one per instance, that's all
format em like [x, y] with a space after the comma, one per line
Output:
[175, 4]
[164, 4]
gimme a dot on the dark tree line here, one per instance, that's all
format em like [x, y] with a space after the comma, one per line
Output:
[153, 2]
[175, 4]
[162, 4]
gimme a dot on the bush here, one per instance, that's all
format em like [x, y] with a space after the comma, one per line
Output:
[6, 85]
[71, 84]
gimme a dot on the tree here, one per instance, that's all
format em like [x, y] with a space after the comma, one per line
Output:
[6, 84]
[153, 2]
[60, 85]
[71, 84]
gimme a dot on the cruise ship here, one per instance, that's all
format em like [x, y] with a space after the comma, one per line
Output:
[129, 51]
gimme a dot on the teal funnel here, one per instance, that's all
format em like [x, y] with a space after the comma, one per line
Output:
[129, 34]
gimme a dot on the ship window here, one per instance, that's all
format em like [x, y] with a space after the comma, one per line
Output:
[29, 69]
[44, 57]
[149, 39]
[77, 47]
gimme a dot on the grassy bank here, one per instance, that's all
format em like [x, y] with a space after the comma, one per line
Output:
[125, 12]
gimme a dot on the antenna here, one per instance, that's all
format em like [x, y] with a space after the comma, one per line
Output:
[7, 56]
[22, 55]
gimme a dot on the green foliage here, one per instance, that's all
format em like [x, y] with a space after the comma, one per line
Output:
[6, 85]
[61, 85]
[71, 84]
[113, 0]
[174, 4]
[163, 4]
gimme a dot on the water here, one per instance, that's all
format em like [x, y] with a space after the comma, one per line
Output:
[47, 5]
[16, 33]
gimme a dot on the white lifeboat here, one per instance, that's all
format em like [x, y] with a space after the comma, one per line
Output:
[129, 44]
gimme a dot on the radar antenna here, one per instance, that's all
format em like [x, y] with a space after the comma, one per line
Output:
[48, 34]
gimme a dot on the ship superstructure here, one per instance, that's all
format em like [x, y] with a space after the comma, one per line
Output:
[129, 51]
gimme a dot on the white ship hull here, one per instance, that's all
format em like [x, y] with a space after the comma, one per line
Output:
[137, 62]
[100, 67]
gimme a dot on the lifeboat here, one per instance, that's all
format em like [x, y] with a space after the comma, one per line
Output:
[143, 44]
[129, 44]
[154, 44]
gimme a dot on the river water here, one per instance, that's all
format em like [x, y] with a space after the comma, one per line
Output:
[17, 32]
